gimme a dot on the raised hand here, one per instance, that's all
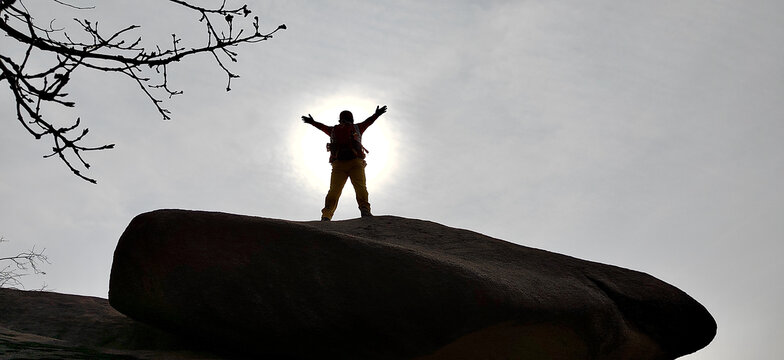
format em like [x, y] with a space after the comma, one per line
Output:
[381, 110]
[308, 119]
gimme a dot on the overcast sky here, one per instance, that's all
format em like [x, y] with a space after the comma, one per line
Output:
[645, 134]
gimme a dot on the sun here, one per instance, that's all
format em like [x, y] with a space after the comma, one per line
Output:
[311, 157]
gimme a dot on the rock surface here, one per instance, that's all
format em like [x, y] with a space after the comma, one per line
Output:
[47, 325]
[389, 288]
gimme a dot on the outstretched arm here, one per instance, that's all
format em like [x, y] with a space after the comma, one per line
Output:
[309, 120]
[369, 121]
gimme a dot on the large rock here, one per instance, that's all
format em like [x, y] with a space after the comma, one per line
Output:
[389, 288]
[47, 325]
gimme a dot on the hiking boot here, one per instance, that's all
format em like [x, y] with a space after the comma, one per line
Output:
[365, 213]
[324, 218]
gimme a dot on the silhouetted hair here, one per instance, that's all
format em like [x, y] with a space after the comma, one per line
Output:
[346, 117]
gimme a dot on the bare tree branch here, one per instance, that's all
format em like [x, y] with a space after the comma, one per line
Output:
[112, 52]
[13, 268]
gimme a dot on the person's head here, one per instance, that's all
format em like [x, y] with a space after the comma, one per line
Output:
[346, 117]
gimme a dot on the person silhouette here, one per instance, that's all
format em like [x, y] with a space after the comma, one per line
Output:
[347, 157]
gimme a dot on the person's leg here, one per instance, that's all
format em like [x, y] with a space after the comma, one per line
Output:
[357, 175]
[336, 182]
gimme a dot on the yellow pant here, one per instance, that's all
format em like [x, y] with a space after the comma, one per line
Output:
[341, 171]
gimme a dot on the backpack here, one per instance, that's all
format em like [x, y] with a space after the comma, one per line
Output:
[345, 142]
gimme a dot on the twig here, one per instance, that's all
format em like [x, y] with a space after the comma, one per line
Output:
[118, 51]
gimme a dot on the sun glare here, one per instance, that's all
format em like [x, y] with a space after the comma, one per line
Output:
[311, 156]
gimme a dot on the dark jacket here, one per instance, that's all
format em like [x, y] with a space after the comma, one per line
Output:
[328, 130]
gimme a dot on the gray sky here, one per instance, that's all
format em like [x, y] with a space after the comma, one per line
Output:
[644, 134]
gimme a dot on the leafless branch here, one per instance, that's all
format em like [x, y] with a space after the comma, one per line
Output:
[13, 268]
[117, 51]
